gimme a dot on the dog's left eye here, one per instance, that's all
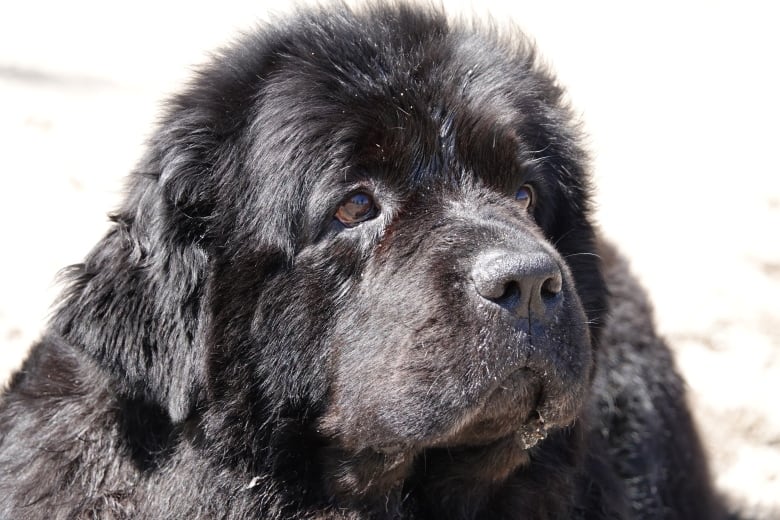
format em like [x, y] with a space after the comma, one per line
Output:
[357, 208]
[525, 196]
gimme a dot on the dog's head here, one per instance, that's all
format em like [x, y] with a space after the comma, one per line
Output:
[369, 231]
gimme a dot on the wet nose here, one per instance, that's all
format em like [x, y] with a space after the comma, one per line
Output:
[523, 283]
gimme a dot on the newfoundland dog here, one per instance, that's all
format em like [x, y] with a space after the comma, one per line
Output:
[355, 277]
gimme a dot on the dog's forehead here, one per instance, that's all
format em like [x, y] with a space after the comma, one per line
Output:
[448, 107]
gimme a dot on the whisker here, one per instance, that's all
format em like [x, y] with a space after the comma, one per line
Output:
[583, 254]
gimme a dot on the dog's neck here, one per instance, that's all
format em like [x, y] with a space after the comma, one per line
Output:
[455, 483]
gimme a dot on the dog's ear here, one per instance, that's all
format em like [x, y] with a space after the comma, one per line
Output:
[136, 305]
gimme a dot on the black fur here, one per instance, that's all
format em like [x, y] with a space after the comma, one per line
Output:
[231, 349]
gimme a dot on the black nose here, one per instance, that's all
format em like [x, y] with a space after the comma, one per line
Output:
[523, 283]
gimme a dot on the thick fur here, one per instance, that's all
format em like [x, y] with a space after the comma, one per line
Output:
[230, 349]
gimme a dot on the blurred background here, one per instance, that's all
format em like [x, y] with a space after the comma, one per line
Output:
[680, 100]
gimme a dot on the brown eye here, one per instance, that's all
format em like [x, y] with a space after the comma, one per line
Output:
[525, 197]
[356, 209]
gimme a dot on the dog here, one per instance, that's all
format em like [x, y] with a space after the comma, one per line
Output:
[355, 277]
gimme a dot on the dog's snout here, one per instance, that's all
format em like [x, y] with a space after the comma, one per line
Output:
[523, 283]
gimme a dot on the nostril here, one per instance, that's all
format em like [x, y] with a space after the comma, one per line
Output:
[511, 294]
[551, 287]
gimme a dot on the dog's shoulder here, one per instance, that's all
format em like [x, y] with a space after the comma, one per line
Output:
[638, 410]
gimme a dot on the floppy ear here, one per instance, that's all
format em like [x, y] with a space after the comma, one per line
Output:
[136, 304]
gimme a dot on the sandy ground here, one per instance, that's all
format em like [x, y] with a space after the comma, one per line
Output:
[680, 100]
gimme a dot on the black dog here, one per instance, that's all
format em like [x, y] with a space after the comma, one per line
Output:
[355, 277]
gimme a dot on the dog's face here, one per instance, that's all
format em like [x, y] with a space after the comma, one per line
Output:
[389, 218]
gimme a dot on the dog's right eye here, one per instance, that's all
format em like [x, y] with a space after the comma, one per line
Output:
[357, 208]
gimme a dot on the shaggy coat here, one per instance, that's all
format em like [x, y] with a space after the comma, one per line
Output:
[355, 277]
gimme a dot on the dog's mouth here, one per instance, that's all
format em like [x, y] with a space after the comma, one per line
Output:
[488, 440]
[511, 409]
[490, 448]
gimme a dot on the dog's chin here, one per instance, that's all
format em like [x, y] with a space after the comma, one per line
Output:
[496, 440]
[488, 442]
[484, 433]
[486, 458]
[493, 446]
[509, 410]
